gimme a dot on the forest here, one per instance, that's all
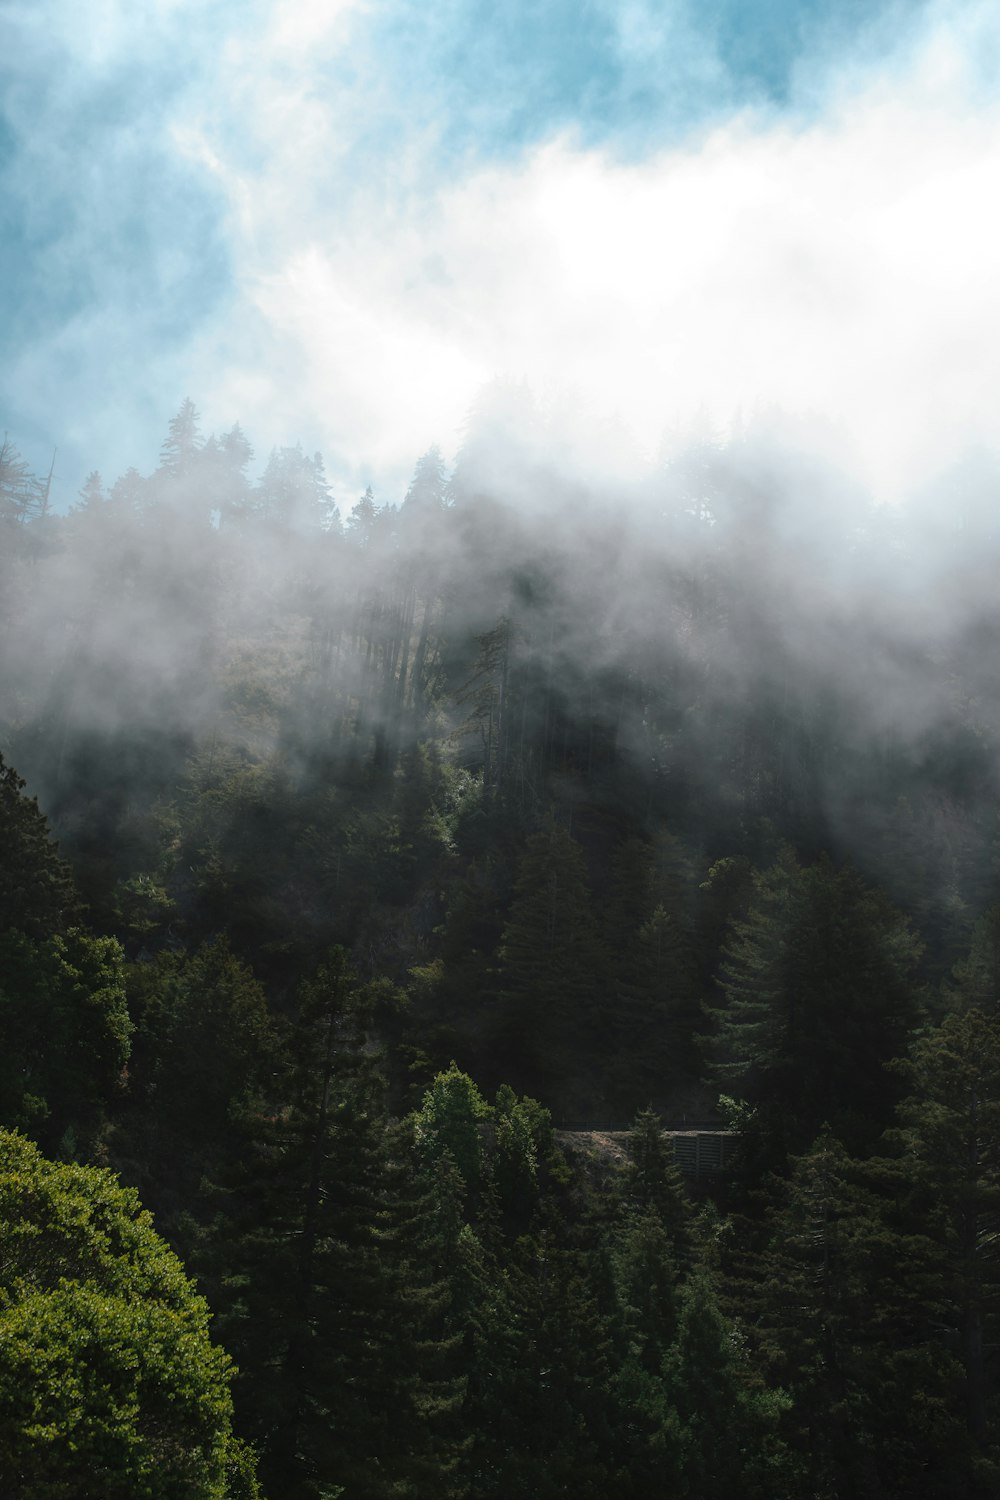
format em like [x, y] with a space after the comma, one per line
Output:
[384, 882]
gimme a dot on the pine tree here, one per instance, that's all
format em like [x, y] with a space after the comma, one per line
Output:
[819, 996]
[552, 970]
[334, 1309]
[36, 889]
[950, 1131]
[723, 1427]
[655, 1014]
[847, 1304]
[977, 975]
[182, 443]
[653, 1183]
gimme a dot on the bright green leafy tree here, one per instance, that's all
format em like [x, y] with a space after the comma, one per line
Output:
[109, 1382]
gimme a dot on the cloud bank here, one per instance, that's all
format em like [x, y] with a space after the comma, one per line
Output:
[333, 223]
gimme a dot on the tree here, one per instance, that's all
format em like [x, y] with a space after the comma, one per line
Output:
[202, 1051]
[331, 1304]
[22, 494]
[723, 1428]
[109, 1382]
[845, 1305]
[183, 441]
[552, 971]
[950, 1131]
[977, 975]
[36, 889]
[656, 1011]
[450, 1121]
[819, 996]
[426, 492]
[652, 1179]
[362, 521]
[292, 494]
[67, 1033]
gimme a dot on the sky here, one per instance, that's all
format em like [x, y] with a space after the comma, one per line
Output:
[337, 221]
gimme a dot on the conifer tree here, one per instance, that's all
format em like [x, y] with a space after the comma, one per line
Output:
[36, 888]
[950, 1130]
[552, 966]
[976, 976]
[723, 1429]
[652, 1180]
[652, 1022]
[334, 1308]
[819, 996]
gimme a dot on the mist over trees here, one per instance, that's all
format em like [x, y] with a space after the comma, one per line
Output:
[407, 843]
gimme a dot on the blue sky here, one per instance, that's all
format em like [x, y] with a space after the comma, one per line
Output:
[336, 221]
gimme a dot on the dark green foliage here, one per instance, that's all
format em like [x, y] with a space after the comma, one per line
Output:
[950, 1132]
[204, 1053]
[36, 889]
[553, 968]
[66, 1032]
[328, 1293]
[977, 975]
[651, 1024]
[725, 1430]
[652, 1182]
[847, 1315]
[819, 996]
[450, 1122]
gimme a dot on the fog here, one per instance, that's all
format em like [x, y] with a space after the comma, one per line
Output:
[739, 613]
[708, 349]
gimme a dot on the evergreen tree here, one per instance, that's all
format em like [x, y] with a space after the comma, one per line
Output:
[36, 888]
[652, 1180]
[819, 996]
[655, 1016]
[977, 976]
[66, 1030]
[334, 1310]
[844, 1305]
[950, 1130]
[723, 1428]
[552, 972]
[202, 1056]
[182, 443]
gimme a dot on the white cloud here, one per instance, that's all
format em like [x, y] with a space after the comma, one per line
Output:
[844, 268]
[840, 265]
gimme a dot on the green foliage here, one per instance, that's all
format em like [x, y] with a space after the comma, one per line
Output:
[67, 1031]
[203, 1049]
[36, 889]
[847, 1307]
[328, 1289]
[108, 1375]
[819, 996]
[724, 1428]
[552, 965]
[977, 975]
[654, 1015]
[652, 1180]
[950, 1133]
[450, 1120]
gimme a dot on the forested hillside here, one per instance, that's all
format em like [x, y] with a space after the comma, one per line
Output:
[397, 839]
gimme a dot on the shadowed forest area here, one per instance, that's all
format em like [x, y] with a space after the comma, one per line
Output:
[375, 847]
